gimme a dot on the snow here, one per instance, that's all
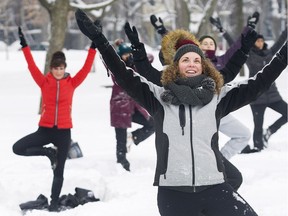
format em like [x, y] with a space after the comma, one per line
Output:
[22, 179]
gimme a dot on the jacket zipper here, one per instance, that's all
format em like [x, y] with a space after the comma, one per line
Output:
[182, 117]
[192, 150]
[57, 99]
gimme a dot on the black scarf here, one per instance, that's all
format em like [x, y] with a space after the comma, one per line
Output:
[195, 91]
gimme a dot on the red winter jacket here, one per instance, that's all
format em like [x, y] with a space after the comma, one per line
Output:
[57, 95]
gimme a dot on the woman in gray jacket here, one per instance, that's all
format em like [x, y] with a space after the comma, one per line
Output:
[189, 170]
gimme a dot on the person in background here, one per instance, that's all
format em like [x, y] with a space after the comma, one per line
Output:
[123, 111]
[260, 55]
[189, 170]
[57, 88]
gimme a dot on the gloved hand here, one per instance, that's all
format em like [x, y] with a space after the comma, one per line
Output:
[92, 30]
[282, 53]
[23, 42]
[132, 34]
[208, 83]
[216, 22]
[97, 23]
[158, 25]
[253, 20]
[248, 41]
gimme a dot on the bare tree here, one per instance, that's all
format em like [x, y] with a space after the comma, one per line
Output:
[58, 11]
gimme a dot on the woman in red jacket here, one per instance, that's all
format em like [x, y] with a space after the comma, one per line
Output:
[57, 88]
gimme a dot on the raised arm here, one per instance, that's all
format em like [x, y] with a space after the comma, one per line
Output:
[141, 62]
[34, 70]
[242, 93]
[136, 86]
[235, 63]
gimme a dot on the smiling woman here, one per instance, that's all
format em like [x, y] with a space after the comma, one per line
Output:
[58, 65]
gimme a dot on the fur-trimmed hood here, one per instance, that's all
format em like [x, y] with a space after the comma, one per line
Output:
[170, 40]
[171, 72]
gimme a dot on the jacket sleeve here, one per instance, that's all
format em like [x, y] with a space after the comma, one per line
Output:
[144, 67]
[233, 66]
[236, 45]
[34, 70]
[278, 44]
[239, 94]
[82, 74]
[135, 86]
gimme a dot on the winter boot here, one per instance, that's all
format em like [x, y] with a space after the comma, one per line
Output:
[54, 206]
[55, 193]
[51, 153]
[121, 158]
[266, 135]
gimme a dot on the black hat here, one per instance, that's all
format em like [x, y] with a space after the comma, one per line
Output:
[260, 36]
[185, 46]
[208, 36]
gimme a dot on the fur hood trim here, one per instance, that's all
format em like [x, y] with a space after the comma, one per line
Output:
[170, 40]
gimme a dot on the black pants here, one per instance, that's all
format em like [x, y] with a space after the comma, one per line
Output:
[219, 200]
[139, 135]
[43, 136]
[232, 174]
[258, 112]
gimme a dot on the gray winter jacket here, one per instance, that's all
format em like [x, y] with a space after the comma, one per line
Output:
[188, 153]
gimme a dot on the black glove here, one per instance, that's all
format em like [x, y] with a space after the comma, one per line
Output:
[282, 54]
[96, 22]
[158, 25]
[92, 30]
[253, 20]
[216, 22]
[248, 40]
[132, 35]
[23, 42]
[208, 83]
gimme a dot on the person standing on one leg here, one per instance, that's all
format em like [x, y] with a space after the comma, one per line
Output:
[57, 88]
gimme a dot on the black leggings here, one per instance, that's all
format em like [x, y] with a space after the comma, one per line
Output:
[61, 138]
[258, 112]
[219, 200]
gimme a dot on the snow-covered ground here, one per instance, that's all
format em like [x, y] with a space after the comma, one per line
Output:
[121, 193]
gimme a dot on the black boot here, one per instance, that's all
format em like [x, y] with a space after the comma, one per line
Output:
[121, 158]
[55, 193]
[54, 206]
[51, 153]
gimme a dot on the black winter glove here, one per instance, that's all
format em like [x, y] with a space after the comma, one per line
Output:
[97, 23]
[23, 42]
[132, 35]
[282, 54]
[216, 22]
[208, 83]
[158, 25]
[253, 20]
[248, 40]
[92, 30]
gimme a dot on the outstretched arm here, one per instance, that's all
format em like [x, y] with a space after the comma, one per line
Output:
[34, 70]
[242, 93]
[136, 86]
[235, 63]
[141, 62]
